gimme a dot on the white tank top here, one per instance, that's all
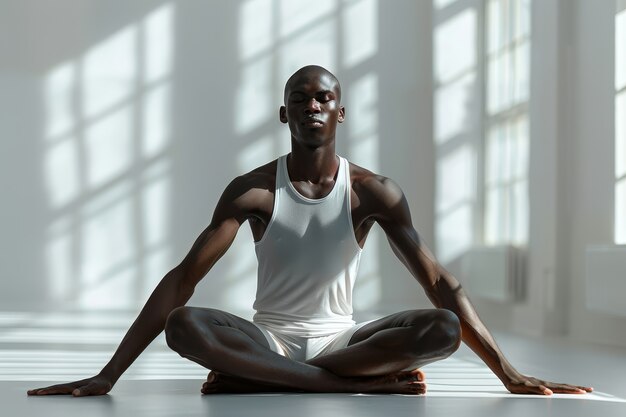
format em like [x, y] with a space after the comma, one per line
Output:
[308, 260]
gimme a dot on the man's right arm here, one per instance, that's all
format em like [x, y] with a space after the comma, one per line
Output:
[173, 291]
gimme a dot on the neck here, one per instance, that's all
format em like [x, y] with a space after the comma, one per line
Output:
[312, 165]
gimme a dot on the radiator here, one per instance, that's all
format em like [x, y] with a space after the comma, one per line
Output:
[495, 272]
[606, 278]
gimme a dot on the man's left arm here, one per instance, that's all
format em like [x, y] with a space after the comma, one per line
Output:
[445, 291]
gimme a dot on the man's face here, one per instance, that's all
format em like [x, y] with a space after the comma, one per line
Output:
[312, 108]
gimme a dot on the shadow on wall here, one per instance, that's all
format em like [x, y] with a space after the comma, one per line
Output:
[125, 131]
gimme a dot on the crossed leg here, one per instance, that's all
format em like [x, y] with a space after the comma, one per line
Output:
[375, 360]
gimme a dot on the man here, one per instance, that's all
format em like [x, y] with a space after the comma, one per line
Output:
[310, 213]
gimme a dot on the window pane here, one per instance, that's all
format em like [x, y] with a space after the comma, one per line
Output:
[494, 155]
[620, 212]
[508, 162]
[498, 82]
[520, 156]
[519, 217]
[523, 18]
[620, 135]
[620, 50]
[495, 27]
[493, 216]
[522, 68]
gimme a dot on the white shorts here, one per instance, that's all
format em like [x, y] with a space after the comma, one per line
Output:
[301, 348]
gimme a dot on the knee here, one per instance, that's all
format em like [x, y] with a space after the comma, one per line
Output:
[175, 326]
[447, 328]
[184, 324]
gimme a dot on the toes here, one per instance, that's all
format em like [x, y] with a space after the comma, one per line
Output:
[418, 388]
[421, 376]
[411, 376]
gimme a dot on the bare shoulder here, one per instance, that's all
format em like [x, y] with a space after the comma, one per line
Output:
[249, 194]
[260, 178]
[374, 189]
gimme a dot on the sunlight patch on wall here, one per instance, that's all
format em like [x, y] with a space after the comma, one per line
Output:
[253, 101]
[360, 31]
[454, 103]
[106, 169]
[255, 28]
[455, 46]
[457, 184]
[60, 89]
[158, 46]
[109, 72]
[456, 173]
[109, 147]
[156, 121]
[315, 46]
[362, 122]
[294, 16]
[61, 164]
[254, 154]
[455, 127]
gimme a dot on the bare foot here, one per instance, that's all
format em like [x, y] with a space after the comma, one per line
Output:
[217, 383]
[406, 382]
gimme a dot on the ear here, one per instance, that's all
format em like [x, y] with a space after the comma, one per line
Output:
[342, 114]
[282, 114]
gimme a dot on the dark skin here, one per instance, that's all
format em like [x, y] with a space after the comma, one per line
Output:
[383, 356]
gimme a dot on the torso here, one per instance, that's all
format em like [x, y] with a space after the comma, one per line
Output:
[261, 184]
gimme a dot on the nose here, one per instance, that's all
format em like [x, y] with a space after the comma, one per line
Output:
[312, 106]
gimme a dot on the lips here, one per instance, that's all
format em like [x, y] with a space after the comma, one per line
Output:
[313, 122]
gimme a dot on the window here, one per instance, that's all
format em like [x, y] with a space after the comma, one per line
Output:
[620, 123]
[481, 90]
[506, 122]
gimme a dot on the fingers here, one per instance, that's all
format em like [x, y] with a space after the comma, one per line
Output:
[545, 390]
[73, 389]
[52, 390]
[570, 389]
[548, 388]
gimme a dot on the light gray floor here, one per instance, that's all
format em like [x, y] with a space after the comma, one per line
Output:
[37, 351]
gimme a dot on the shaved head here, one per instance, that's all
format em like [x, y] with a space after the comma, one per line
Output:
[308, 72]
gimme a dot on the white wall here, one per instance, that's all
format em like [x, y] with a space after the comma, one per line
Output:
[221, 90]
[217, 86]
[591, 162]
